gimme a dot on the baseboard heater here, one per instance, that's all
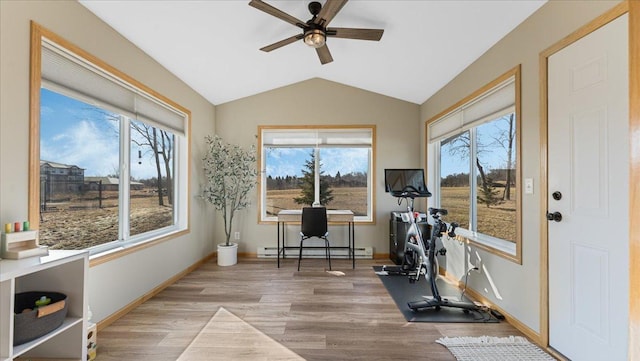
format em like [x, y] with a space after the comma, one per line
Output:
[272, 252]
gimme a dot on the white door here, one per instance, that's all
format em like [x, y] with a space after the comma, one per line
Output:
[588, 158]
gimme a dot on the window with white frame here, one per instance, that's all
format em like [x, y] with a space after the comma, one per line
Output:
[112, 157]
[329, 166]
[473, 152]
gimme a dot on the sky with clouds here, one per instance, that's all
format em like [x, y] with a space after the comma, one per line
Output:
[281, 162]
[76, 133]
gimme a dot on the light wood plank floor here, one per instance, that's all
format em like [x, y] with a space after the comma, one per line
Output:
[317, 315]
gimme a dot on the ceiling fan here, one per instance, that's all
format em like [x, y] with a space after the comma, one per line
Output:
[315, 31]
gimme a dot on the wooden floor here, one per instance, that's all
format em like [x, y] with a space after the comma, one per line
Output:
[317, 315]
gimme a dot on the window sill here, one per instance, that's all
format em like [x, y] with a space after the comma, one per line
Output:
[119, 249]
[497, 246]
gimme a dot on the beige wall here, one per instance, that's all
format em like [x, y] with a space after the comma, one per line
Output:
[514, 287]
[112, 285]
[397, 145]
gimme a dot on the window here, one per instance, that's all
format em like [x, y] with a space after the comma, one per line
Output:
[331, 166]
[474, 153]
[110, 157]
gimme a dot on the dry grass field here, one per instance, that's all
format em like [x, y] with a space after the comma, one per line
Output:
[78, 223]
[354, 198]
[498, 221]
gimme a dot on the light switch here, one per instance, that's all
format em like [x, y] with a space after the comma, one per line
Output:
[528, 186]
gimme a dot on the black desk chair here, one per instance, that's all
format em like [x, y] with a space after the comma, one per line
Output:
[314, 224]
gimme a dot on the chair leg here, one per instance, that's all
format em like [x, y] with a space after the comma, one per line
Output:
[300, 255]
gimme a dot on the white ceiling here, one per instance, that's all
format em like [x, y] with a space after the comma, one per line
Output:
[213, 45]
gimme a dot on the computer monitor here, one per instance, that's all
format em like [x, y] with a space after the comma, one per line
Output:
[395, 180]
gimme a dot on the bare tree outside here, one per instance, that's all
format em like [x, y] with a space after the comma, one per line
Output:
[460, 145]
[162, 152]
[494, 169]
[506, 139]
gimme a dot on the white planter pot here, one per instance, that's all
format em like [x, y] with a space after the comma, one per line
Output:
[227, 255]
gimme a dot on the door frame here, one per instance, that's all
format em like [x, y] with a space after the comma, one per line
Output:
[633, 9]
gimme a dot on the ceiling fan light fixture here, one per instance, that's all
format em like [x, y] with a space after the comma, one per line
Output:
[315, 30]
[315, 38]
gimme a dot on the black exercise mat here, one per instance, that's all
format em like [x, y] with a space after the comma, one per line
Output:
[402, 292]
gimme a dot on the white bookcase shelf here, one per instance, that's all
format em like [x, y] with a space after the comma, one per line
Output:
[60, 271]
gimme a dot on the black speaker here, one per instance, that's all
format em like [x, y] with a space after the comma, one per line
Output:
[398, 234]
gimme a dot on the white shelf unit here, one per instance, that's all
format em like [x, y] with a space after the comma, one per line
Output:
[60, 271]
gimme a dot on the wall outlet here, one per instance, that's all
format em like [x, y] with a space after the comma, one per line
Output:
[236, 236]
[478, 266]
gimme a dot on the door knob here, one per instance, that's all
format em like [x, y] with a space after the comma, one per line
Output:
[555, 216]
[557, 195]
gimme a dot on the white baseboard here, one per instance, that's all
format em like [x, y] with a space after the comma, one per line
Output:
[360, 252]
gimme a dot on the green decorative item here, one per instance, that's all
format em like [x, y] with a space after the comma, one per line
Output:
[43, 301]
[231, 174]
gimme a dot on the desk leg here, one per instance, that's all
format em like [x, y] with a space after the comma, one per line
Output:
[284, 240]
[278, 254]
[352, 243]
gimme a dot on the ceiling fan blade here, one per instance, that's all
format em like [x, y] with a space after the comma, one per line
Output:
[261, 5]
[324, 54]
[352, 33]
[282, 43]
[328, 11]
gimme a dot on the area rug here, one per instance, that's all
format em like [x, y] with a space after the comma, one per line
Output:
[486, 348]
[228, 337]
[402, 292]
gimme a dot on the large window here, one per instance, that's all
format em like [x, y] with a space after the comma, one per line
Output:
[474, 152]
[108, 156]
[329, 166]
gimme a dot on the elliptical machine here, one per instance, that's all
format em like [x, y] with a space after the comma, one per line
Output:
[420, 256]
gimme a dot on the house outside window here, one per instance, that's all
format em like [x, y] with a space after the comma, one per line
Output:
[328, 166]
[473, 152]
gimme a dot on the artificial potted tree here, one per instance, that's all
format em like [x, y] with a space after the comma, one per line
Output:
[231, 173]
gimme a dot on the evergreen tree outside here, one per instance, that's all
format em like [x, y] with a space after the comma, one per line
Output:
[307, 196]
[488, 194]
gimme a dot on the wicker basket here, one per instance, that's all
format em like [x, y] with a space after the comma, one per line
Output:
[27, 326]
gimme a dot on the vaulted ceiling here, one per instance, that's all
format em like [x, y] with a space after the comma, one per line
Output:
[213, 46]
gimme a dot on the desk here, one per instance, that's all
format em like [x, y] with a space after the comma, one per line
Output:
[334, 216]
